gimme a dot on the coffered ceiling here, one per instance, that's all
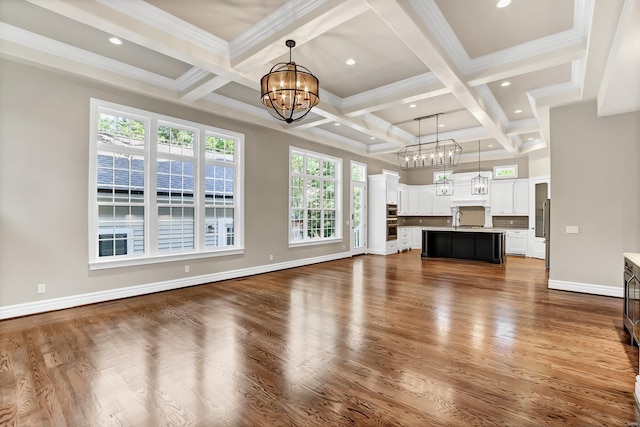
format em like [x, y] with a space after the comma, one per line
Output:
[412, 58]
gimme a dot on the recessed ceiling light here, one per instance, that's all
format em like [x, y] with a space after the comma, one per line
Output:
[115, 40]
[518, 111]
[440, 126]
[350, 61]
[503, 3]
[412, 105]
[373, 137]
[529, 139]
[490, 145]
[505, 84]
[336, 124]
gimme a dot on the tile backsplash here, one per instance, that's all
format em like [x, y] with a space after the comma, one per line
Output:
[511, 221]
[425, 221]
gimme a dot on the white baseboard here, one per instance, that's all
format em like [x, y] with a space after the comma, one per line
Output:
[34, 307]
[586, 288]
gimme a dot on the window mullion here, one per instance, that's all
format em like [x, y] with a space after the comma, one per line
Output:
[199, 191]
[151, 189]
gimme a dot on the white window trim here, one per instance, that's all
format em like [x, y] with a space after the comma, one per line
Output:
[339, 184]
[152, 256]
[497, 168]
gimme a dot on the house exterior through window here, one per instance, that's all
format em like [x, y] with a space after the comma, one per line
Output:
[161, 188]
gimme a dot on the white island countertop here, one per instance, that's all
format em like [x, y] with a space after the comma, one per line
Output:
[464, 229]
[633, 257]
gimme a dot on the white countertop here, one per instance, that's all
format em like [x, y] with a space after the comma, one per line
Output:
[634, 257]
[466, 229]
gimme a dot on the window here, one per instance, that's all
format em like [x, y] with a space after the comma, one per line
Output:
[314, 197]
[505, 172]
[161, 188]
[442, 175]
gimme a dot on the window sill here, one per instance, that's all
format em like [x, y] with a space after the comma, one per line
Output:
[300, 243]
[130, 262]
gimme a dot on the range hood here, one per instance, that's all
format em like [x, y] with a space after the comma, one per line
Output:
[469, 201]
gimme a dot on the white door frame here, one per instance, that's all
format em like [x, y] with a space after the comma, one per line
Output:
[536, 245]
[363, 184]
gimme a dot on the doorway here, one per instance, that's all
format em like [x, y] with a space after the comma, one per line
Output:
[358, 198]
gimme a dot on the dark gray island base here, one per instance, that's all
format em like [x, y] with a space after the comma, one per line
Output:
[482, 245]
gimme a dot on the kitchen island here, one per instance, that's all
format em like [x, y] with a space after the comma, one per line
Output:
[482, 244]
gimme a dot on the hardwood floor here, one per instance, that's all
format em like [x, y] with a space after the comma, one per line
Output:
[365, 341]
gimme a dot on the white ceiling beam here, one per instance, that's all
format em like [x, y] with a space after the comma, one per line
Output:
[601, 32]
[530, 64]
[424, 44]
[203, 87]
[266, 44]
[397, 99]
[133, 27]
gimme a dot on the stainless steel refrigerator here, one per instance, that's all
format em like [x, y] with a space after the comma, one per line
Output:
[546, 215]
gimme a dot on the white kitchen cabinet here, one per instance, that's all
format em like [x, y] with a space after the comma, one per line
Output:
[416, 237]
[404, 238]
[516, 242]
[502, 197]
[403, 199]
[392, 188]
[379, 192]
[424, 200]
[521, 197]
[441, 204]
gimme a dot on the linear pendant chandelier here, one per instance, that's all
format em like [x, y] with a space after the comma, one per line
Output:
[430, 155]
[289, 91]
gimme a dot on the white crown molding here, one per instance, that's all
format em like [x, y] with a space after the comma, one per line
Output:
[273, 23]
[428, 11]
[50, 46]
[190, 77]
[164, 21]
[586, 288]
[25, 309]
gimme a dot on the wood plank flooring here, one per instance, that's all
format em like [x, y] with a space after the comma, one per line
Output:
[367, 341]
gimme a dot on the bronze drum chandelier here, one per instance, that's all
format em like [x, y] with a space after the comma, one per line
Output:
[289, 91]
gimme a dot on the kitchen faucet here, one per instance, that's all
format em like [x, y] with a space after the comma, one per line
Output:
[457, 218]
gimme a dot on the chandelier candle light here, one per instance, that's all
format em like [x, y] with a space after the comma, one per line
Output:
[429, 155]
[289, 91]
[479, 184]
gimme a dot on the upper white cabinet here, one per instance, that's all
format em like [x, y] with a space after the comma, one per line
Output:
[392, 188]
[421, 200]
[521, 197]
[510, 197]
[403, 199]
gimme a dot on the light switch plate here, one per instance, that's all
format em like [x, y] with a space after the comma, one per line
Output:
[572, 229]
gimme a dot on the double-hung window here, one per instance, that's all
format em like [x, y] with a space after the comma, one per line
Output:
[161, 188]
[315, 182]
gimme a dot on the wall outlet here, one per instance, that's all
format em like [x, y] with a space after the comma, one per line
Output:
[42, 288]
[572, 229]
[271, 257]
[186, 268]
[448, 221]
[510, 222]
[420, 221]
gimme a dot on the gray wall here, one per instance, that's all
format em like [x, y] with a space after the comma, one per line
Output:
[425, 176]
[44, 153]
[595, 185]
